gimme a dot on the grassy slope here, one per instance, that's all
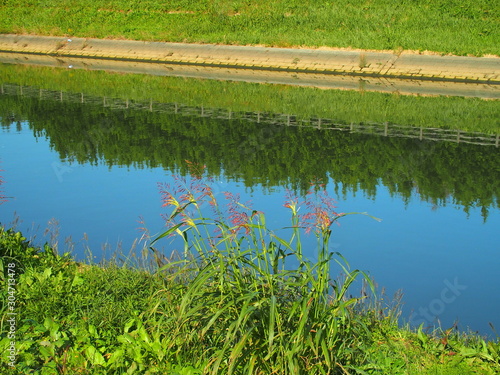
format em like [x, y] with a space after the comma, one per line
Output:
[109, 319]
[448, 26]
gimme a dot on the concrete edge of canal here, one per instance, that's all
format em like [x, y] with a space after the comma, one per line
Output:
[319, 61]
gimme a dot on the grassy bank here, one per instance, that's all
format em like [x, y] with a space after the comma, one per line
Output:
[446, 26]
[345, 107]
[241, 301]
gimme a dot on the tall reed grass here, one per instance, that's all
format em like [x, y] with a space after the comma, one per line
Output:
[250, 301]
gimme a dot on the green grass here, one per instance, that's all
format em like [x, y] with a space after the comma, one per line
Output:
[445, 26]
[468, 114]
[241, 301]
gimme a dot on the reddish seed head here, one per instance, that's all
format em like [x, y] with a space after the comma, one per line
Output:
[320, 210]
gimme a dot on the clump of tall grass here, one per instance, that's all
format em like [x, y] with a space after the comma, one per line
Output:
[249, 301]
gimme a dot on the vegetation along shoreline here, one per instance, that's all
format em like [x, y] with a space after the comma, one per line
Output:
[241, 299]
[405, 38]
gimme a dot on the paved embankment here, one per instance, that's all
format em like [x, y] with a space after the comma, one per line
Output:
[361, 63]
[311, 79]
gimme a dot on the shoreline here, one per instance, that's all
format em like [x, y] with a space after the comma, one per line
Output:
[312, 79]
[406, 65]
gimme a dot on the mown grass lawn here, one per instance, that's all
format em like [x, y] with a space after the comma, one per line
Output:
[458, 27]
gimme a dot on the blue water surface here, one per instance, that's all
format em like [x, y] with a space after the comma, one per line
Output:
[444, 260]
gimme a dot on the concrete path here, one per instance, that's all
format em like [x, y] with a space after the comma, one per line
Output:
[311, 79]
[325, 61]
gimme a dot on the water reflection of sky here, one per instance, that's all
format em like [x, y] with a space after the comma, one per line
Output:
[444, 260]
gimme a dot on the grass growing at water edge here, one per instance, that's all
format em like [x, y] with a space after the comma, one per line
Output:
[241, 299]
[261, 315]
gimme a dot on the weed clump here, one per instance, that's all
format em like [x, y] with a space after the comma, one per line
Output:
[243, 307]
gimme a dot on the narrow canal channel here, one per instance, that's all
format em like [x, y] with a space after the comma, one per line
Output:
[82, 153]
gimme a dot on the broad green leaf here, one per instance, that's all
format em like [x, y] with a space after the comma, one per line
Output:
[94, 356]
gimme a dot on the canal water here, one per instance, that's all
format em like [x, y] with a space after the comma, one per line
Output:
[83, 169]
